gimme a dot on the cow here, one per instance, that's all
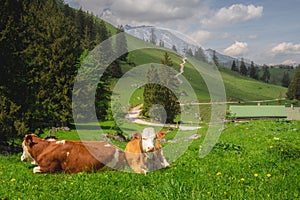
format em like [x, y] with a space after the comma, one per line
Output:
[70, 156]
[144, 152]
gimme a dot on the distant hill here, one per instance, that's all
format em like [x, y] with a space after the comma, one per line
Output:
[180, 41]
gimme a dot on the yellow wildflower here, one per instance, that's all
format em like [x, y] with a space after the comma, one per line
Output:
[256, 175]
[12, 180]
[242, 179]
[271, 147]
[269, 175]
[219, 173]
[225, 193]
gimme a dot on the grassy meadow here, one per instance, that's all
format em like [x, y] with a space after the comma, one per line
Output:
[252, 160]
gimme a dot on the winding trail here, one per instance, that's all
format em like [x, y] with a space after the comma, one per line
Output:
[134, 113]
[181, 69]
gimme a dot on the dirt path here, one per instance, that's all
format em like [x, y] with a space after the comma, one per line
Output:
[134, 113]
[181, 69]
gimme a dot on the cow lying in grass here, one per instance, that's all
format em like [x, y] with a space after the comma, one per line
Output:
[144, 152]
[70, 156]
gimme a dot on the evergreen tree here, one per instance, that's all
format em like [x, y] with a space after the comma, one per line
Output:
[215, 58]
[243, 68]
[162, 93]
[234, 67]
[161, 43]
[200, 55]
[153, 37]
[169, 90]
[189, 52]
[285, 82]
[174, 48]
[121, 44]
[253, 71]
[266, 74]
[150, 91]
[294, 87]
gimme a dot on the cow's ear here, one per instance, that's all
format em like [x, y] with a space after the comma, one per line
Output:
[28, 140]
[136, 135]
[161, 134]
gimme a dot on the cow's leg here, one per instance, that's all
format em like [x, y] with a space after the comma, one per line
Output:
[37, 170]
[161, 160]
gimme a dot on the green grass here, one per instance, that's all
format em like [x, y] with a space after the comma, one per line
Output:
[238, 88]
[276, 74]
[268, 149]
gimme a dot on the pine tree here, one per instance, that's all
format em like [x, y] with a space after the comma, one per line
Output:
[150, 91]
[234, 67]
[253, 71]
[169, 90]
[266, 74]
[243, 68]
[121, 44]
[174, 48]
[215, 58]
[162, 93]
[285, 82]
[200, 55]
[153, 37]
[294, 87]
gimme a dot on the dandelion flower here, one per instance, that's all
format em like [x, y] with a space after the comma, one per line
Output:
[225, 193]
[268, 175]
[271, 147]
[219, 173]
[256, 174]
[12, 180]
[242, 179]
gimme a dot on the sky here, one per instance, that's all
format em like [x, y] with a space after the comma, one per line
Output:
[264, 31]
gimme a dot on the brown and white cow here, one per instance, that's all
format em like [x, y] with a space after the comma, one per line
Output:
[70, 156]
[144, 152]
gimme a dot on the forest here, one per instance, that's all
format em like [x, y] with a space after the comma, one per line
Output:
[43, 43]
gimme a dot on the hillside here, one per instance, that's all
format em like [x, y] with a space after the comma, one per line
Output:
[238, 88]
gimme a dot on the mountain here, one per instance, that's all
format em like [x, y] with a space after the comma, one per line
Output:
[182, 43]
[167, 36]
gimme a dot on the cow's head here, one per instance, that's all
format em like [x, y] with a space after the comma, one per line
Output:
[26, 145]
[149, 138]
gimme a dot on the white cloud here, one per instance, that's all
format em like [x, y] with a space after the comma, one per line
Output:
[286, 48]
[154, 12]
[232, 15]
[237, 49]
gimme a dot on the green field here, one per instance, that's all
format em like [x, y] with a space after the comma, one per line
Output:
[238, 88]
[252, 160]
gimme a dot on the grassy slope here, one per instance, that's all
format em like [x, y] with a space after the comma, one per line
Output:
[228, 172]
[277, 74]
[238, 88]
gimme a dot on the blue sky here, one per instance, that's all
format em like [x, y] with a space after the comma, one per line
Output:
[265, 31]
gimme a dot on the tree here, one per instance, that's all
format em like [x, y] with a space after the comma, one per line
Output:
[266, 74]
[161, 43]
[294, 87]
[153, 36]
[174, 48]
[169, 90]
[234, 67]
[121, 44]
[253, 71]
[162, 93]
[285, 82]
[189, 52]
[215, 58]
[200, 55]
[243, 68]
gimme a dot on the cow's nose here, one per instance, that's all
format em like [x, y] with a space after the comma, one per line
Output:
[150, 149]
